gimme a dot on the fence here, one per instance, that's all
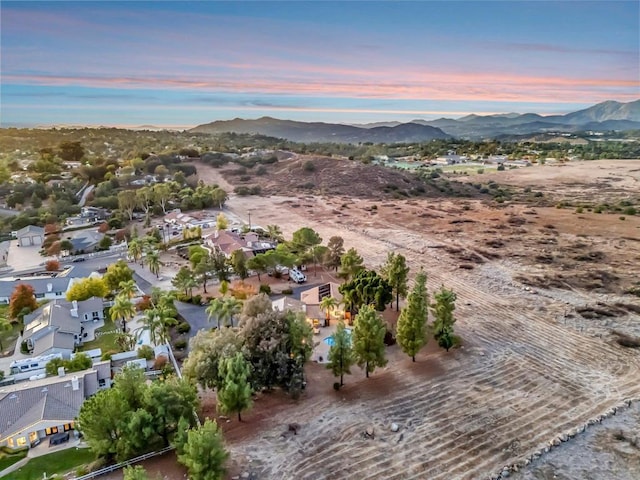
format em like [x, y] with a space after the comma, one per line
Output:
[126, 463]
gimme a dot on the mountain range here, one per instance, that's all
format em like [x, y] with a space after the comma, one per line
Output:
[604, 116]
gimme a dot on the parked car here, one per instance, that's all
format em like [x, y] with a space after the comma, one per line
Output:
[297, 276]
[78, 259]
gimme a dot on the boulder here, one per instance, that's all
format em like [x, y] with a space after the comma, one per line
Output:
[395, 427]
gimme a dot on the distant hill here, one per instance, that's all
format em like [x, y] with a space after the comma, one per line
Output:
[325, 132]
[604, 116]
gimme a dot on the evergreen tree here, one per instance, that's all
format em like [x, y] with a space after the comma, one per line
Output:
[235, 393]
[412, 323]
[203, 453]
[396, 272]
[341, 353]
[368, 339]
[443, 319]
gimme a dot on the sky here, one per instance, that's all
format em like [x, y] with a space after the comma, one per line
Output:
[180, 64]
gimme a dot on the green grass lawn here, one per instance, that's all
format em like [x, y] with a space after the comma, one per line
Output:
[7, 460]
[106, 342]
[8, 338]
[58, 462]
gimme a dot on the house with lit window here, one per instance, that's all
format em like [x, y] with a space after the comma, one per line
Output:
[61, 326]
[43, 288]
[32, 411]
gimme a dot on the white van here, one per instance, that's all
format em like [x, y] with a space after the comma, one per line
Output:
[297, 276]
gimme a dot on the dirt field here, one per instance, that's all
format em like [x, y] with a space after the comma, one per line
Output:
[540, 290]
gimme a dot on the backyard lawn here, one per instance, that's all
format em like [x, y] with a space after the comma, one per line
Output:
[6, 460]
[8, 338]
[104, 341]
[58, 462]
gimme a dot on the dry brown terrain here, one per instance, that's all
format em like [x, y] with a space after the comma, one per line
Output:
[540, 291]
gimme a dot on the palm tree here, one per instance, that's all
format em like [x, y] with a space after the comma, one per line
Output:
[5, 326]
[135, 249]
[224, 310]
[347, 302]
[153, 261]
[122, 308]
[158, 321]
[128, 289]
[327, 305]
[275, 233]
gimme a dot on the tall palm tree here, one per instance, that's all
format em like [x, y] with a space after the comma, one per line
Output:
[327, 304]
[153, 261]
[274, 232]
[5, 326]
[135, 249]
[224, 310]
[158, 321]
[122, 308]
[128, 288]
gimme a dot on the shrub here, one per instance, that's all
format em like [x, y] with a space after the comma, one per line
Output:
[146, 352]
[160, 363]
[261, 170]
[183, 327]
[52, 266]
[527, 190]
[538, 194]
[241, 290]
[180, 344]
[579, 210]
[630, 211]
[287, 291]
[336, 386]
[309, 166]
[264, 288]
[106, 356]
[144, 303]
[480, 170]
[197, 300]
[500, 168]
[622, 218]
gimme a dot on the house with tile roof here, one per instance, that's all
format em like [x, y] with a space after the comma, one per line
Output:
[228, 242]
[31, 411]
[61, 326]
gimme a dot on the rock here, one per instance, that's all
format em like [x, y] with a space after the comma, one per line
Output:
[564, 437]
[505, 472]
[369, 432]
[400, 438]
[395, 427]
[244, 475]
[293, 427]
[556, 442]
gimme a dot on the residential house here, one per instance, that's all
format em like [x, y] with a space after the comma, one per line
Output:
[228, 242]
[30, 235]
[311, 299]
[47, 288]
[84, 241]
[61, 326]
[193, 219]
[31, 411]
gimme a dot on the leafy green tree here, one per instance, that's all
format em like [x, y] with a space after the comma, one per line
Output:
[185, 281]
[442, 309]
[101, 422]
[239, 264]
[367, 287]
[127, 202]
[116, 273]
[219, 196]
[22, 301]
[206, 350]
[412, 323]
[221, 222]
[396, 272]
[335, 252]
[80, 361]
[220, 267]
[350, 264]
[258, 264]
[368, 339]
[303, 239]
[169, 401]
[87, 288]
[203, 453]
[341, 353]
[196, 254]
[280, 360]
[234, 395]
[204, 270]
[136, 472]
[71, 151]
[161, 195]
[124, 309]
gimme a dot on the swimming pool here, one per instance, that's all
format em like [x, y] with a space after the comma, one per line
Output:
[329, 340]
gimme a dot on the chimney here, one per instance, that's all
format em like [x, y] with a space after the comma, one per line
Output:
[61, 371]
[74, 310]
[49, 287]
[75, 304]
[75, 385]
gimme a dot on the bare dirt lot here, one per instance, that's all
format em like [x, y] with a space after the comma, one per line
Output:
[540, 292]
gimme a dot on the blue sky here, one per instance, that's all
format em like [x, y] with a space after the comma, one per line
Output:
[185, 63]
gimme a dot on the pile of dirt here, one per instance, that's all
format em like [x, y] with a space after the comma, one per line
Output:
[339, 177]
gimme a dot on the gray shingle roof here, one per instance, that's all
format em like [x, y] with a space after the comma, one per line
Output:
[40, 285]
[30, 230]
[53, 398]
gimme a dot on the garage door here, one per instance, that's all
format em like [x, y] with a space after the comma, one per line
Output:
[37, 240]
[25, 241]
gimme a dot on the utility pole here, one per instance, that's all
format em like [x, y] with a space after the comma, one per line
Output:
[249, 212]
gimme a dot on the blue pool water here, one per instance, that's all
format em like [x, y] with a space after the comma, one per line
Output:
[329, 340]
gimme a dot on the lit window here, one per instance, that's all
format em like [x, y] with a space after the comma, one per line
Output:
[22, 441]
